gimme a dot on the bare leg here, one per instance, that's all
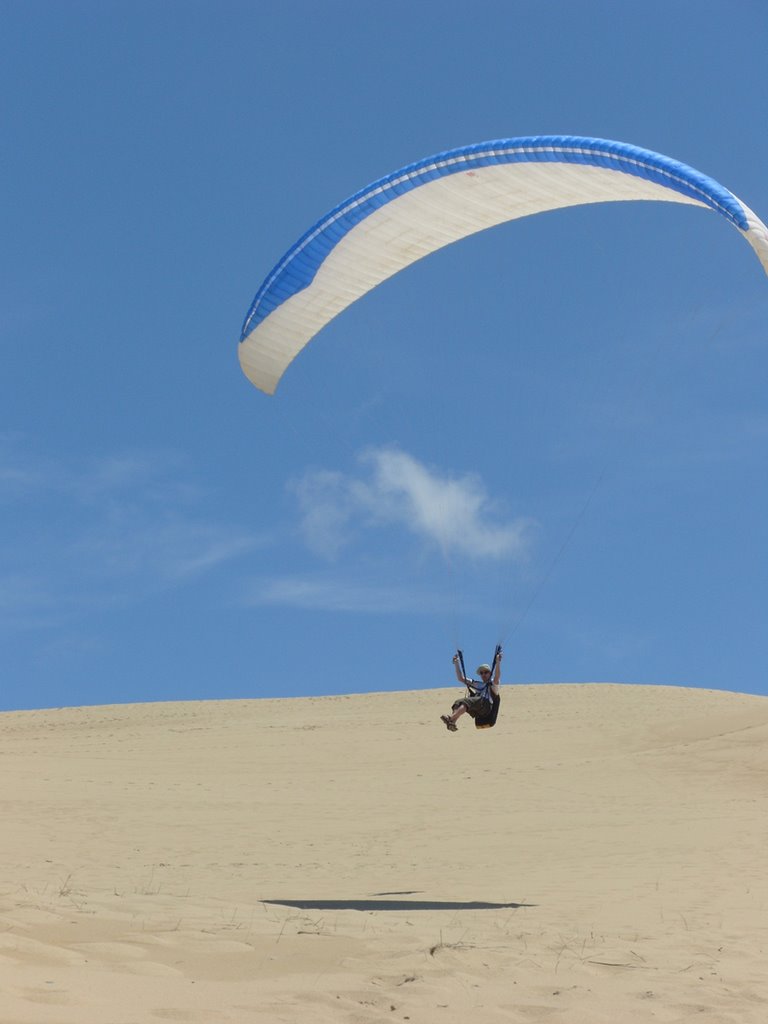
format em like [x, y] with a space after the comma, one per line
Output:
[450, 720]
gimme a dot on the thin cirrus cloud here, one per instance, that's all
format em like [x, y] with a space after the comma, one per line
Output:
[394, 489]
[316, 593]
[83, 534]
[170, 549]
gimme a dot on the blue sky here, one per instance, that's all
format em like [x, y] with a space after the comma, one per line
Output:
[553, 434]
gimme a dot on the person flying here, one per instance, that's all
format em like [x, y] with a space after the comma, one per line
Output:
[482, 699]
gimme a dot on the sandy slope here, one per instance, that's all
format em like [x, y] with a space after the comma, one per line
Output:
[598, 858]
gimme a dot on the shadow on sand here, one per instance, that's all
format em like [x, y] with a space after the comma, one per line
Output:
[379, 904]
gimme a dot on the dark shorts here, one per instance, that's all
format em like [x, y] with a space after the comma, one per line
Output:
[475, 706]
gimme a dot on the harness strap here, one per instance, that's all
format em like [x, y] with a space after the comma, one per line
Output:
[496, 654]
[469, 686]
[461, 662]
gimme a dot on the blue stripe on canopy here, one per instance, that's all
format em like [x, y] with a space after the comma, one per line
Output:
[298, 267]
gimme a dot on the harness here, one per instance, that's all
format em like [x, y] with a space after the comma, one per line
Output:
[486, 719]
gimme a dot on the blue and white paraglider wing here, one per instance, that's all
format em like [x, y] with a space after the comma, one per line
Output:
[420, 208]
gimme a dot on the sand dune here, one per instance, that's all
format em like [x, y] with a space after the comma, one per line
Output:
[597, 858]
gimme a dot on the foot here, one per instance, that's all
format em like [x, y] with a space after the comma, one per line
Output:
[449, 723]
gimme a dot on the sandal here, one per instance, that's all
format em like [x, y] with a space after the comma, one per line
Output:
[450, 726]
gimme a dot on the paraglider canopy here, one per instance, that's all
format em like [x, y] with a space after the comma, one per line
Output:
[422, 207]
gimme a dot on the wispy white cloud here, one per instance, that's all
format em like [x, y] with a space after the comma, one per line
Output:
[125, 544]
[330, 594]
[328, 508]
[84, 534]
[453, 513]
